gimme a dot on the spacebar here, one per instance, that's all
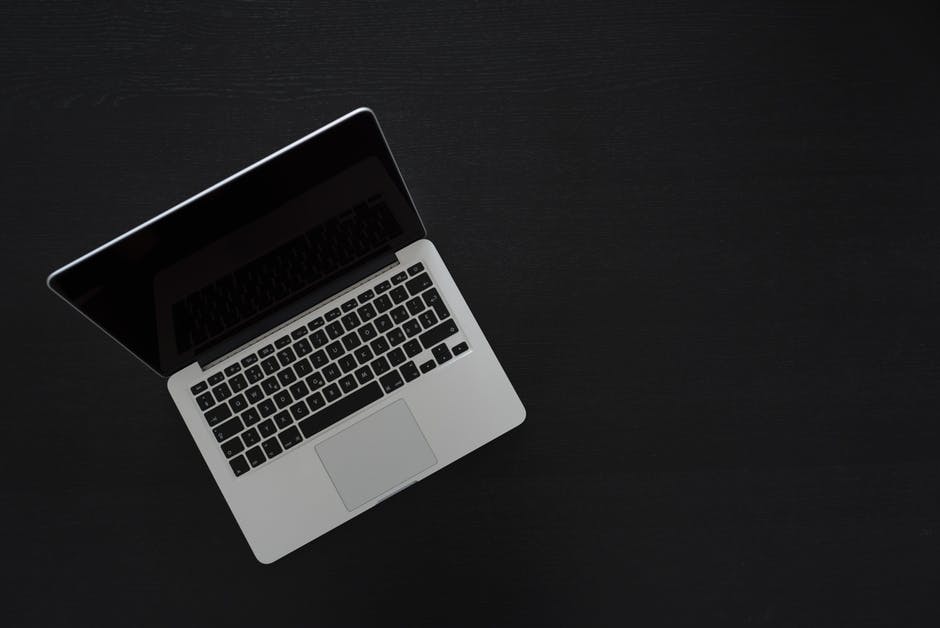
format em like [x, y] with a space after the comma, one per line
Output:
[341, 409]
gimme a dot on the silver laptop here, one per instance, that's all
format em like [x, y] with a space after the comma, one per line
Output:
[315, 343]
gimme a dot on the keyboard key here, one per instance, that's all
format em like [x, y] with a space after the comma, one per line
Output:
[218, 414]
[198, 388]
[205, 401]
[335, 330]
[232, 369]
[267, 408]
[380, 365]
[267, 428]
[222, 392]
[315, 401]
[251, 437]
[216, 378]
[333, 314]
[265, 351]
[436, 334]
[428, 319]
[396, 337]
[286, 356]
[302, 347]
[270, 366]
[412, 348]
[283, 419]
[419, 284]
[415, 306]
[286, 377]
[409, 371]
[315, 324]
[428, 366]
[319, 339]
[270, 385]
[272, 447]
[365, 296]
[335, 349]
[363, 354]
[238, 403]
[303, 368]
[299, 390]
[347, 363]
[228, 429]
[351, 341]
[338, 411]
[399, 294]
[249, 360]
[290, 437]
[383, 323]
[282, 342]
[379, 345]
[255, 456]
[331, 392]
[382, 287]
[351, 321]
[383, 303]
[460, 348]
[433, 299]
[232, 447]
[412, 328]
[254, 394]
[238, 383]
[299, 410]
[349, 306]
[315, 381]
[331, 372]
[282, 399]
[396, 357]
[414, 270]
[399, 277]
[441, 353]
[239, 465]
[363, 374]
[348, 383]
[367, 332]
[300, 332]
[367, 312]
[250, 417]
[254, 374]
[391, 381]
[319, 359]
[399, 315]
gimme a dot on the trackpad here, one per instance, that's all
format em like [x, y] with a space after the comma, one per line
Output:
[376, 454]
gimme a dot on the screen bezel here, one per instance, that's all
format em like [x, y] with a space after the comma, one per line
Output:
[360, 126]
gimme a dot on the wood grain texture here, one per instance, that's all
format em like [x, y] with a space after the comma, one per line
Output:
[732, 422]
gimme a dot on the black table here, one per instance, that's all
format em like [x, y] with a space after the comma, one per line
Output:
[702, 238]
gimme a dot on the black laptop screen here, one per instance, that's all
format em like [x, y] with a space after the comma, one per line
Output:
[251, 253]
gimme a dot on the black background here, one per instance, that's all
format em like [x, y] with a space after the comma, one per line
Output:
[702, 238]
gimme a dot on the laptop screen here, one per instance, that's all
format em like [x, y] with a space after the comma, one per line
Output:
[252, 252]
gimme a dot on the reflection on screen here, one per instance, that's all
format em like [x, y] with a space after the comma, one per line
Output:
[289, 271]
[264, 268]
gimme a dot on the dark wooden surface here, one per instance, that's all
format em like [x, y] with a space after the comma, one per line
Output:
[702, 238]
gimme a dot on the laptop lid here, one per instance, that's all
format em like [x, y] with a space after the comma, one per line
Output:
[250, 252]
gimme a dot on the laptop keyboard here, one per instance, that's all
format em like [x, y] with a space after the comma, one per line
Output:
[385, 335]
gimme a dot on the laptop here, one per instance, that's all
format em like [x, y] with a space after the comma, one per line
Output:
[314, 342]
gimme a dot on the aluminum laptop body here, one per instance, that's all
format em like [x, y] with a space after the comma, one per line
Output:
[315, 343]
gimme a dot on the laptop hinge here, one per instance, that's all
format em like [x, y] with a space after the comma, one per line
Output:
[289, 313]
